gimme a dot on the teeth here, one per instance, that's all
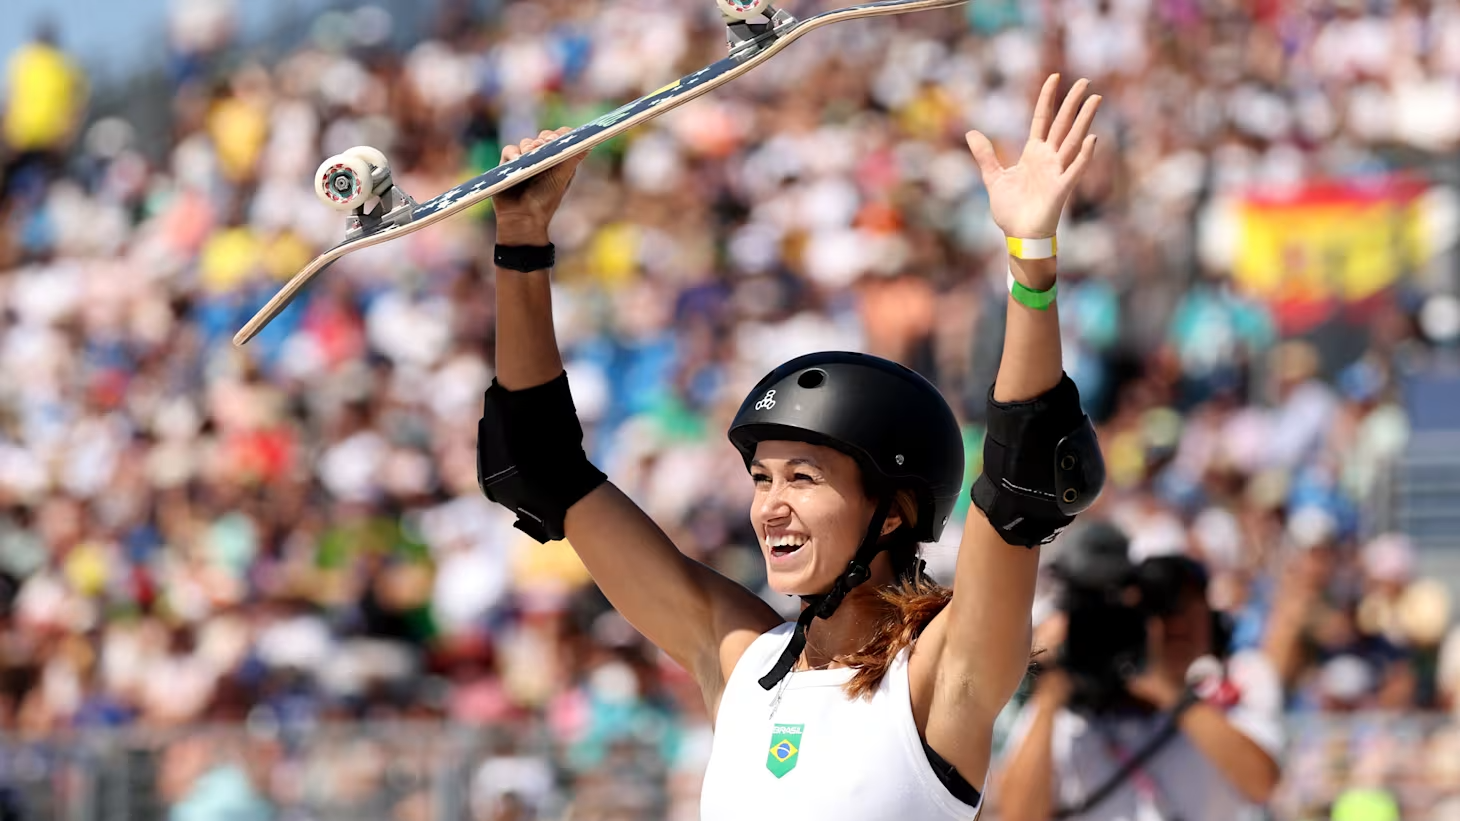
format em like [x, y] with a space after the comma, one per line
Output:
[786, 541]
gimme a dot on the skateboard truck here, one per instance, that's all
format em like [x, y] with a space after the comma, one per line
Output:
[746, 38]
[345, 182]
[395, 207]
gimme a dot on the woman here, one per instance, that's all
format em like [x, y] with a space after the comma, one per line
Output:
[885, 709]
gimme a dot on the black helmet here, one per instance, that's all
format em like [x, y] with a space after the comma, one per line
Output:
[892, 421]
[886, 416]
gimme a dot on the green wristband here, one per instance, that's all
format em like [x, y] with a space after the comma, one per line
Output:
[1030, 298]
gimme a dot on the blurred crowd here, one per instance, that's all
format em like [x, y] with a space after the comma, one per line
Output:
[289, 535]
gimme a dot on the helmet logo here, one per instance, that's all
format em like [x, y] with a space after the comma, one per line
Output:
[898, 459]
[767, 402]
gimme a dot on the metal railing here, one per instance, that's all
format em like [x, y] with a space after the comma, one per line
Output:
[426, 771]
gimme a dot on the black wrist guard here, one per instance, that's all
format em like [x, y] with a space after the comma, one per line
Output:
[530, 456]
[526, 258]
[1042, 465]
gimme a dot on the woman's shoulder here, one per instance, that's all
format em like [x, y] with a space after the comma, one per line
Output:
[766, 643]
[773, 640]
[759, 652]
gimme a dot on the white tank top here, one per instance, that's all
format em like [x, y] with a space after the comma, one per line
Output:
[823, 755]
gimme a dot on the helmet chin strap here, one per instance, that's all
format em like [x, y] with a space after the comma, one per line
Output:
[823, 605]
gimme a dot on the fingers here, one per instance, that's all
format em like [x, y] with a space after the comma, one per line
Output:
[531, 144]
[1077, 168]
[1074, 142]
[983, 154]
[1044, 109]
[527, 145]
[1066, 115]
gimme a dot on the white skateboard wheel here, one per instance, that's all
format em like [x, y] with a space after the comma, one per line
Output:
[372, 156]
[342, 182]
[742, 9]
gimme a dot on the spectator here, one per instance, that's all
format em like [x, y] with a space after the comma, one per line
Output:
[1205, 744]
[45, 99]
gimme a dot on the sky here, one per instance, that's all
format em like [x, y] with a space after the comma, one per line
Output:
[114, 35]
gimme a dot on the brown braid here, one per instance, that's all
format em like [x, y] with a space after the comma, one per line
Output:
[905, 609]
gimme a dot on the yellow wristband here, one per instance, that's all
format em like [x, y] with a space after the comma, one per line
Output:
[1032, 248]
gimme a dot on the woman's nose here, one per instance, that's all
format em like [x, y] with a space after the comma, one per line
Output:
[774, 501]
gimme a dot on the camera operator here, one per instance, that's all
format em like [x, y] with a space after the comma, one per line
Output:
[1144, 717]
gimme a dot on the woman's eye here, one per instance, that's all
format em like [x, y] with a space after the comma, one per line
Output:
[802, 477]
[759, 477]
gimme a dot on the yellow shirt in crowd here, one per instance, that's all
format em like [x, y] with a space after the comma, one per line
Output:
[45, 90]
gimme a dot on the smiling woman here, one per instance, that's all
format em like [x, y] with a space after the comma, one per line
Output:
[832, 441]
[809, 495]
[885, 708]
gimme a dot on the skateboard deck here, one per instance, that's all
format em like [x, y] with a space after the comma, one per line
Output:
[411, 216]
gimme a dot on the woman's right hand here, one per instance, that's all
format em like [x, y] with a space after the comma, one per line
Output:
[525, 210]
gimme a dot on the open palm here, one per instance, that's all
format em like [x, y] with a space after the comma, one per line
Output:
[1026, 199]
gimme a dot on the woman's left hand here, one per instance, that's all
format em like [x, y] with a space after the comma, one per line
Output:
[1026, 199]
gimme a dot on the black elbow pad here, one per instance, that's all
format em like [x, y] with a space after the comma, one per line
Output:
[1042, 465]
[530, 456]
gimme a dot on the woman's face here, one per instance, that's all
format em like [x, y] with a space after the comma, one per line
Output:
[810, 513]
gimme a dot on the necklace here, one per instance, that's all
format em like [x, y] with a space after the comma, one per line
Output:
[780, 691]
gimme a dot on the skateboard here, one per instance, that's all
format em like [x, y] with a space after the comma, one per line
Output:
[349, 182]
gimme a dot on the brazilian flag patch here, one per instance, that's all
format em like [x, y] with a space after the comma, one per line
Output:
[785, 749]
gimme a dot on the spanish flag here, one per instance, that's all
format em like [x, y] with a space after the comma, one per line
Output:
[1328, 245]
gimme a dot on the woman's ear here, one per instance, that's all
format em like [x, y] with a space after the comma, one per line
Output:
[892, 522]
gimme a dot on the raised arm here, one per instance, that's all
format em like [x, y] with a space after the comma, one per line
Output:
[701, 619]
[1038, 446]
